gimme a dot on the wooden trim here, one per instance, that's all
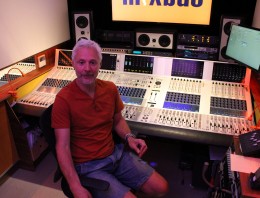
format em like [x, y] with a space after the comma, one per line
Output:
[8, 156]
[15, 84]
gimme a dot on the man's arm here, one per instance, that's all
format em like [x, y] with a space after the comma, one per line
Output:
[123, 130]
[66, 164]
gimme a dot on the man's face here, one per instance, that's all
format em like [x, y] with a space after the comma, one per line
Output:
[86, 64]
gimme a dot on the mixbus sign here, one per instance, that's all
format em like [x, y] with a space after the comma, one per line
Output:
[168, 11]
[193, 3]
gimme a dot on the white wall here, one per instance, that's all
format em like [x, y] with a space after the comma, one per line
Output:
[28, 27]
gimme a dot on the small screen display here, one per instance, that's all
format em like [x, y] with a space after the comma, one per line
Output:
[109, 61]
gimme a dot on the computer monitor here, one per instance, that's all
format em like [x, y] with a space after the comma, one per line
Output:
[244, 46]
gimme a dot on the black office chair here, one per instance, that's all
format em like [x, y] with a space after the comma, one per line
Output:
[48, 132]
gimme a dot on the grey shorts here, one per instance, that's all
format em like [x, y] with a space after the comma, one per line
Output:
[123, 173]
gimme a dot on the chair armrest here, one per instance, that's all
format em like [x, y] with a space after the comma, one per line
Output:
[88, 183]
[94, 183]
[57, 175]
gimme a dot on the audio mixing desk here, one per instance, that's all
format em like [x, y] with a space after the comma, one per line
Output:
[194, 100]
[24, 67]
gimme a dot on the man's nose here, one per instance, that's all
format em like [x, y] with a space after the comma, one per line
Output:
[86, 66]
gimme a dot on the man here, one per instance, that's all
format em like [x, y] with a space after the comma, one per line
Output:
[83, 116]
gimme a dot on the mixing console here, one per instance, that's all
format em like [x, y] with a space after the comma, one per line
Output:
[64, 57]
[131, 95]
[188, 120]
[139, 64]
[187, 68]
[14, 73]
[182, 101]
[109, 61]
[185, 85]
[226, 89]
[163, 96]
[227, 72]
[228, 107]
[135, 80]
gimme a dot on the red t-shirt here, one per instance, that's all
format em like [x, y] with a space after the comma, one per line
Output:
[90, 119]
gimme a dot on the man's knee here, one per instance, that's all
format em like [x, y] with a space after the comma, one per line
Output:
[162, 188]
[129, 195]
[156, 185]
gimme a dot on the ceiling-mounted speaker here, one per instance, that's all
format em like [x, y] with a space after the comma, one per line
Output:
[158, 40]
[225, 29]
[83, 25]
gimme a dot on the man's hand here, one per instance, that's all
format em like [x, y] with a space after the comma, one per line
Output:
[138, 145]
[81, 192]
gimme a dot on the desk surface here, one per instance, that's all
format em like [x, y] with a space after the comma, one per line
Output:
[244, 177]
[245, 186]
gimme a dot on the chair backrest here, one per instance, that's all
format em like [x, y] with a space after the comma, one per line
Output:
[48, 131]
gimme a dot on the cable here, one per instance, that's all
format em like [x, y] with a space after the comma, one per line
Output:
[65, 55]
[204, 170]
[12, 91]
[251, 115]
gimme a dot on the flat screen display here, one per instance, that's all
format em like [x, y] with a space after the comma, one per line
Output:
[196, 12]
[244, 46]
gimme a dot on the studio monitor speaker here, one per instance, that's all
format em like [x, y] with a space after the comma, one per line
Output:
[83, 25]
[225, 29]
[148, 39]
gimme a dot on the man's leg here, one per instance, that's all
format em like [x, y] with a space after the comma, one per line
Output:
[129, 195]
[139, 176]
[156, 185]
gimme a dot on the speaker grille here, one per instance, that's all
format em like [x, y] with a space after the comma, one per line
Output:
[154, 40]
[144, 39]
[164, 41]
[83, 25]
[82, 22]
[226, 24]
